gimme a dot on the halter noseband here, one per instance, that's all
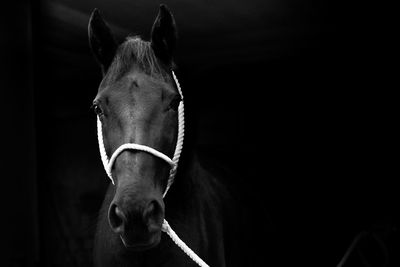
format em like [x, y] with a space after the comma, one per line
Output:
[143, 148]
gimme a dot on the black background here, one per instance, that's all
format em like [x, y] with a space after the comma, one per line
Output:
[291, 96]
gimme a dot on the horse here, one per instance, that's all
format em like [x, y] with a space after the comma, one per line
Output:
[137, 103]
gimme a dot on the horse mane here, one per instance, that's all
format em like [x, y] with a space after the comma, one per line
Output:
[135, 52]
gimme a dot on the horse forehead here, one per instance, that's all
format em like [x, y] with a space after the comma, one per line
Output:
[144, 84]
[137, 84]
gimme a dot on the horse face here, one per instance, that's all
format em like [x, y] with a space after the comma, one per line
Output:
[137, 103]
[138, 109]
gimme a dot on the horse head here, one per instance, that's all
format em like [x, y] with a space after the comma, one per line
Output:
[137, 103]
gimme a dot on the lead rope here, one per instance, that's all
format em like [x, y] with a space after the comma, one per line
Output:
[108, 164]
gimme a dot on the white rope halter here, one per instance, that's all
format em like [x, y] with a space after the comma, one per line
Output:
[108, 164]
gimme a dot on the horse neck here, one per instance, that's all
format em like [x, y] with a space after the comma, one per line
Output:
[194, 188]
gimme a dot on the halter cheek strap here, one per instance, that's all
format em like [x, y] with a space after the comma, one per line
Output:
[108, 164]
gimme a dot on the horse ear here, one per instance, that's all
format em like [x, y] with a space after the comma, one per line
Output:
[164, 35]
[101, 40]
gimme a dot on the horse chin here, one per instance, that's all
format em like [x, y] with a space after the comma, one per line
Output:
[152, 242]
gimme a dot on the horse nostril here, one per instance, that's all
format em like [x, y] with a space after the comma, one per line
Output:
[116, 218]
[153, 214]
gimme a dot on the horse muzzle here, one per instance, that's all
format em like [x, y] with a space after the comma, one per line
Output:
[137, 223]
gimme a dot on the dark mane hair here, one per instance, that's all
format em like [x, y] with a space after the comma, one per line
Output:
[135, 52]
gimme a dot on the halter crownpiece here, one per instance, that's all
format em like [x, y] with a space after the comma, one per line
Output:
[108, 164]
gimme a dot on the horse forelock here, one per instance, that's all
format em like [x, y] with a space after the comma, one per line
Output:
[135, 53]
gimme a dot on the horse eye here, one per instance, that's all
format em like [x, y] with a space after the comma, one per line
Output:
[97, 110]
[175, 103]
